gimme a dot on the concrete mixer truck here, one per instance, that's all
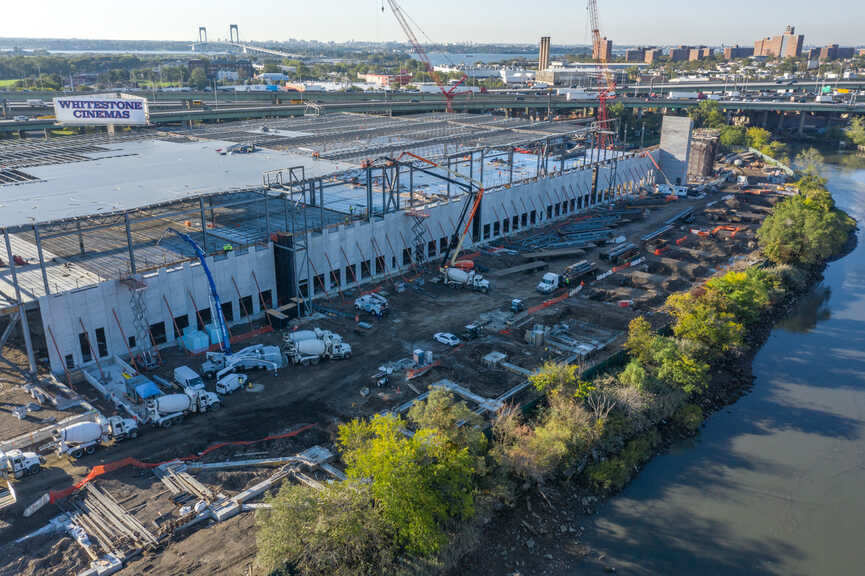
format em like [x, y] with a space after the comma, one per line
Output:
[312, 350]
[468, 279]
[82, 438]
[167, 410]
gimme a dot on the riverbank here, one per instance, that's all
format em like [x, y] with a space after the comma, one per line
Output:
[553, 530]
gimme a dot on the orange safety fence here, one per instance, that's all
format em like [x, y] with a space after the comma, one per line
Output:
[659, 251]
[101, 469]
[682, 239]
[547, 303]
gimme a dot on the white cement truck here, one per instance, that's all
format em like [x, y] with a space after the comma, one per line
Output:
[468, 279]
[82, 438]
[312, 350]
[165, 411]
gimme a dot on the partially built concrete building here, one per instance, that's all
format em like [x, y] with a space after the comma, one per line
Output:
[302, 209]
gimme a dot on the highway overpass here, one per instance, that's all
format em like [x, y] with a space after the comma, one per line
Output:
[474, 103]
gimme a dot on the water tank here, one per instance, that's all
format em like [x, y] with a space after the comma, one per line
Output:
[172, 403]
[428, 357]
[418, 357]
[79, 433]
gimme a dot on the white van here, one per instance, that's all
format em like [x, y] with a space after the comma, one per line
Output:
[188, 378]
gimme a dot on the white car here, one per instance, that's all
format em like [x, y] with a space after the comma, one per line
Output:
[446, 338]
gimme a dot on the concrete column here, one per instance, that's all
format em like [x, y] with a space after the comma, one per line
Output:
[129, 245]
[266, 218]
[449, 176]
[780, 121]
[801, 122]
[411, 185]
[38, 240]
[25, 326]
[369, 194]
[510, 166]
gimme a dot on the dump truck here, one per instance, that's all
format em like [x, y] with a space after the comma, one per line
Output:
[375, 304]
[258, 357]
[18, 463]
[306, 352]
[467, 279]
[82, 438]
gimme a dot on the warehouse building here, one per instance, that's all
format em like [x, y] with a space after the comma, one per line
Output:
[287, 211]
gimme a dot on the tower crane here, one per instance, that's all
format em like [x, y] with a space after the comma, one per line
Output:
[606, 81]
[403, 20]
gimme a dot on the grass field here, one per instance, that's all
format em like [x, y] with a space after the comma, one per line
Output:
[8, 83]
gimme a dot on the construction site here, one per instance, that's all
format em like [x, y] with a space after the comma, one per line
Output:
[183, 335]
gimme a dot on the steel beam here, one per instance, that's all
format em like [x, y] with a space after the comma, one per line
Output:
[25, 326]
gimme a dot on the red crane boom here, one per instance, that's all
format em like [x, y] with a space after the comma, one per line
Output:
[403, 20]
[606, 82]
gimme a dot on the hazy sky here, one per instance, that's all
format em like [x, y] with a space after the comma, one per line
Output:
[625, 21]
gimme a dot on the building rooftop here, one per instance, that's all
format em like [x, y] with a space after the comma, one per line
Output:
[65, 179]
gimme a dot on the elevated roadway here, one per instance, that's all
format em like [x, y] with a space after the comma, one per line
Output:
[475, 103]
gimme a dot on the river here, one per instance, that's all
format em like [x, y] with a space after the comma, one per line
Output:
[775, 483]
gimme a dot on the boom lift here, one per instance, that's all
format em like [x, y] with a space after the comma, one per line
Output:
[403, 20]
[455, 272]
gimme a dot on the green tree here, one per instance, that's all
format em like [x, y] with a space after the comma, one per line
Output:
[855, 132]
[421, 484]
[333, 531]
[553, 376]
[198, 79]
[704, 321]
[707, 114]
[635, 375]
[804, 229]
[810, 163]
[732, 137]
[442, 413]
[757, 137]
[747, 291]
[641, 339]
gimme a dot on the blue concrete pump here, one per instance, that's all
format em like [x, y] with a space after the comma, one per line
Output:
[224, 339]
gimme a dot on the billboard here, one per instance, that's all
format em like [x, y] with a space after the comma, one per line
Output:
[101, 110]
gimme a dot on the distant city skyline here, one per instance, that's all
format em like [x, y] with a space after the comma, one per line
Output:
[626, 22]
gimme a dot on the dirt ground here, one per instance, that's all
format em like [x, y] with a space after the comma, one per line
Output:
[330, 393]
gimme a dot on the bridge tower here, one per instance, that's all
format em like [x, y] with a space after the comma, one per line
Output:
[233, 34]
[202, 35]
